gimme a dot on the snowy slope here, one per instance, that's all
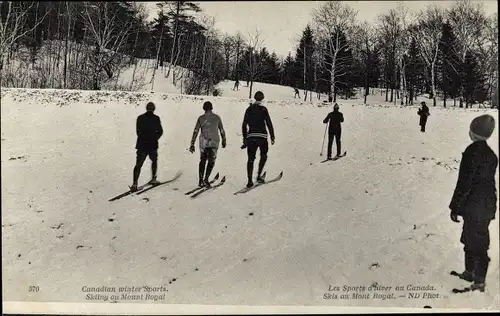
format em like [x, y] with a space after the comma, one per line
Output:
[378, 215]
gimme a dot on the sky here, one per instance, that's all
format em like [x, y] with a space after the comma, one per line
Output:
[281, 23]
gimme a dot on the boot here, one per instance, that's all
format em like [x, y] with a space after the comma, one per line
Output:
[206, 183]
[260, 179]
[201, 183]
[133, 187]
[478, 286]
[154, 181]
[249, 183]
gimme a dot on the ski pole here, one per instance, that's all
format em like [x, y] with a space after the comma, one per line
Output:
[323, 145]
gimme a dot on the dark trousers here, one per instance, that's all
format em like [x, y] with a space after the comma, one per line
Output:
[476, 240]
[207, 158]
[331, 135]
[423, 122]
[254, 143]
[141, 157]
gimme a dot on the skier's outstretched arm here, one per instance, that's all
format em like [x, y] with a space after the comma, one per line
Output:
[269, 124]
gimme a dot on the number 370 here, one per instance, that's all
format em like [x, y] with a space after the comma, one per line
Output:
[34, 288]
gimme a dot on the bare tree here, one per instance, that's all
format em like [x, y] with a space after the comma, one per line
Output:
[469, 22]
[330, 20]
[107, 35]
[12, 26]
[427, 34]
[487, 49]
[365, 42]
[228, 44]
[254, 67]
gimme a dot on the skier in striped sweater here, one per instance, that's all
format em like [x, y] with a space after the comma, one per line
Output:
[254, 125]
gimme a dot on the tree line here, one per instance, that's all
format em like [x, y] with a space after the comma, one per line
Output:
[446, 53]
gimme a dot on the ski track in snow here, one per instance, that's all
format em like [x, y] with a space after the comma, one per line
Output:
[380, 214]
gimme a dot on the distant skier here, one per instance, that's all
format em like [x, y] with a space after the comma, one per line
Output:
[475, 198]
[149, 131]
[236, 85]
[255, 137]
[334, 130]
[210, 125]
[297, 93]
[424, 114]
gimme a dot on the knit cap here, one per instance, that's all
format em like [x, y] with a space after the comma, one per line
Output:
[482, 127]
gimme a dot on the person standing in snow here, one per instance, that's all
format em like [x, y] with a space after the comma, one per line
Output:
[149, 131]
[255, 135]
[334, 130]
[236, 85]
[297, 93]
[424, 114]
[210, 125]
[475, 198]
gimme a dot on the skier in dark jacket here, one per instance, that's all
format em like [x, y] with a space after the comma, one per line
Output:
[334, 130]
[424, 114]
[475, 198]
[297, 93]
[149, 131]
[255, 135]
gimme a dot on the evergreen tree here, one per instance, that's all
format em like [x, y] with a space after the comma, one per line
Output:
[448, 64]
[304, 60]
[289, 71]
[473, 81]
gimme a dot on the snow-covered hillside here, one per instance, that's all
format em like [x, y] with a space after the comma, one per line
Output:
[378, 216]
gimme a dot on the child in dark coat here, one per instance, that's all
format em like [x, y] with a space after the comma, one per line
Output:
[475, 199]
[424, 114]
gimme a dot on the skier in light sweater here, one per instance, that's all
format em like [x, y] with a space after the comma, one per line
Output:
[210, 125]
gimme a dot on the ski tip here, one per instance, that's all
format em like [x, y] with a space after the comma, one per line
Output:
[216, 176]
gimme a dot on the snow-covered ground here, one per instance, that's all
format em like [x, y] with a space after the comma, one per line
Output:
[379, 215]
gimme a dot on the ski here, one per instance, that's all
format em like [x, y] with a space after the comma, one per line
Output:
[335, 158]
[199, 188]
[177, 176]
[205, 189]
[245, 190]
[128, 193]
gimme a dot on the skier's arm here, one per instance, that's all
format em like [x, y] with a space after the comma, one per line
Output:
[466, 175]
[195, 132]
[222, 132]
[244, 130]
[138, 127]
[327, 118]
[341, 117]
[269, 124]
[159, 131]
